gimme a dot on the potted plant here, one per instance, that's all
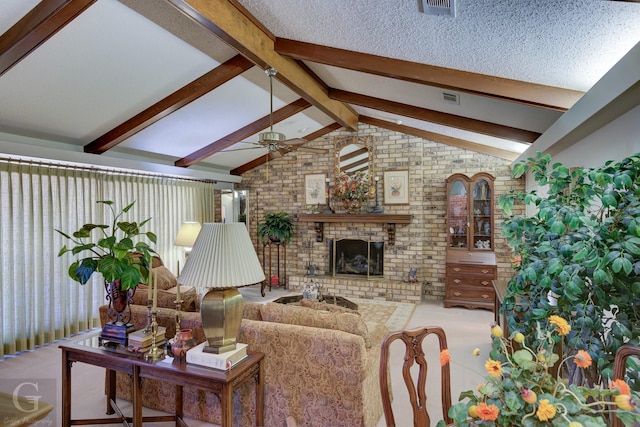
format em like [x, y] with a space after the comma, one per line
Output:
[520, 388]
[276, 227]
[113, 253]
[579, 258]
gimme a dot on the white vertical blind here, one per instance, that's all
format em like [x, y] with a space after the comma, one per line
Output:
[39, 302]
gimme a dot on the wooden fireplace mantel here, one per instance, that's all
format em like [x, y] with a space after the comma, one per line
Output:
[389, 219]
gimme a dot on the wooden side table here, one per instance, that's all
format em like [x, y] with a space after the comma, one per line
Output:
[222, 383]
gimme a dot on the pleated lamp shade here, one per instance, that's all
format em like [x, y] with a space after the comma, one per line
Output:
[222, 257]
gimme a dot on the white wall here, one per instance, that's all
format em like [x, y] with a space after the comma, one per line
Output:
[615, 141]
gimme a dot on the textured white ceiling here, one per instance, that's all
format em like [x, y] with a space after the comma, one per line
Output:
[120, 56]
[564, 43]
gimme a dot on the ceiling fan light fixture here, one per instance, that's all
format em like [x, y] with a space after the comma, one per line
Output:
[271, 136]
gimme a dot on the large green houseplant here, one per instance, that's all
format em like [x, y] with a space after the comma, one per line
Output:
[112, 252]
[276, 227]
[123, 263]
[578, 257]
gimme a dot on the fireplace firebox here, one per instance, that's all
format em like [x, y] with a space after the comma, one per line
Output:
[357, 257]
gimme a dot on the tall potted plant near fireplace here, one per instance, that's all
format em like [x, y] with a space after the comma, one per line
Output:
[277, 227]
[113, 253]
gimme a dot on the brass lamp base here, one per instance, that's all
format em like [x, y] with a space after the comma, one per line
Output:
[221, 312]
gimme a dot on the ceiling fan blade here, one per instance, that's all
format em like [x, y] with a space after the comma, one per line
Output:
[294, 141]
[242, 149]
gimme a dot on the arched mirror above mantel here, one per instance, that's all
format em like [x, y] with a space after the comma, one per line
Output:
[353, 153]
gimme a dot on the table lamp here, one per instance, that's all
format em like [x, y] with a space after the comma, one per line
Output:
[186, 237]
[222, 259]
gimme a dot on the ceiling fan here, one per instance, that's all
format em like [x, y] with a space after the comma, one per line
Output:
[277, 143]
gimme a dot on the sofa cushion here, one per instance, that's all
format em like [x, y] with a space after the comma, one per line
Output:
[304, 316]
[167, 299]
[252, 311]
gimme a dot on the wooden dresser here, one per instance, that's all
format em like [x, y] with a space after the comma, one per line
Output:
[469, 277]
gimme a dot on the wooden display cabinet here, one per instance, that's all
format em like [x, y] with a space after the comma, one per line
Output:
[471, 260]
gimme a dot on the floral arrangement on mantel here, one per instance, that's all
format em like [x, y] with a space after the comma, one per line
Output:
[521, 390]
[353, 186]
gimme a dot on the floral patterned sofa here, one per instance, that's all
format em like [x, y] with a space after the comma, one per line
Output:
[321, 367]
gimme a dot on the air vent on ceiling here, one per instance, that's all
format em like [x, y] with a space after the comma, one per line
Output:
[451, 97]
[438, 7]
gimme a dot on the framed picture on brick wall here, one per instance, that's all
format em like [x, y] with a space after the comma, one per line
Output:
[314, 189]
[396, 187]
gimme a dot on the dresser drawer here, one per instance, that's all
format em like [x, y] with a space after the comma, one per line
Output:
[476, 270]
[469, 280]
[471, 293]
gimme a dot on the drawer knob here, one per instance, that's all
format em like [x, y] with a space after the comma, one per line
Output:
[485, 271]
[484, 283]
[456, 269]
[457, 293]
[485, 296]
[456, 281]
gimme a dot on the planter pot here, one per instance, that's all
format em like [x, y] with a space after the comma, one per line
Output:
[119, 312]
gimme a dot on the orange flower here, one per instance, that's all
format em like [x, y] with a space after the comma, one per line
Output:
[624, 402]
[546, 411]
[444, 357]
[620, 386]
[487, 412]
[583, 359]
[493, 368]
[563, 327]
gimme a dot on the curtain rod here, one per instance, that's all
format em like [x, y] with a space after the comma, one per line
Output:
[94, 168]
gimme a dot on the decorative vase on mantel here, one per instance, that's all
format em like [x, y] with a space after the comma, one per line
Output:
[352, 206]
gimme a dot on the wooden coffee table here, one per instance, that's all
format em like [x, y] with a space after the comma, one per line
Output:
[329, 299]
[222, 383]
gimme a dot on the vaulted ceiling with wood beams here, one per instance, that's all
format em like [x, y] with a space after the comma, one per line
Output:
[183, 84]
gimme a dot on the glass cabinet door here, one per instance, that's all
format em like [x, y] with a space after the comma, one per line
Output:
[458, 214]
[482, 220]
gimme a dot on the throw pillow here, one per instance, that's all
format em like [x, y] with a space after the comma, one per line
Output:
[166, 299]
[165, 278]
[304, 316]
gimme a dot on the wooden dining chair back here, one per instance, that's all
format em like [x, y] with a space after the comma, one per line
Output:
[414, 354]
[620, 369]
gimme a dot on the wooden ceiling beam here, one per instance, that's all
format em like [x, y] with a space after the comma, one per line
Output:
[451, 120]
[41, 23]
[548, 97]
[242, 133]
[442, 139]
[263, 159]
[178, 99]
[233, 26]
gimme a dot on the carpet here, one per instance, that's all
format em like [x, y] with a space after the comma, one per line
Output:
[394, 315]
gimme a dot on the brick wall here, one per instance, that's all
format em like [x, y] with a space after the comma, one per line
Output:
[421, 244]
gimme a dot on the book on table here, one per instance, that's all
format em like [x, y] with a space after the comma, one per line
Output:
[222, 361]
[141, 341]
